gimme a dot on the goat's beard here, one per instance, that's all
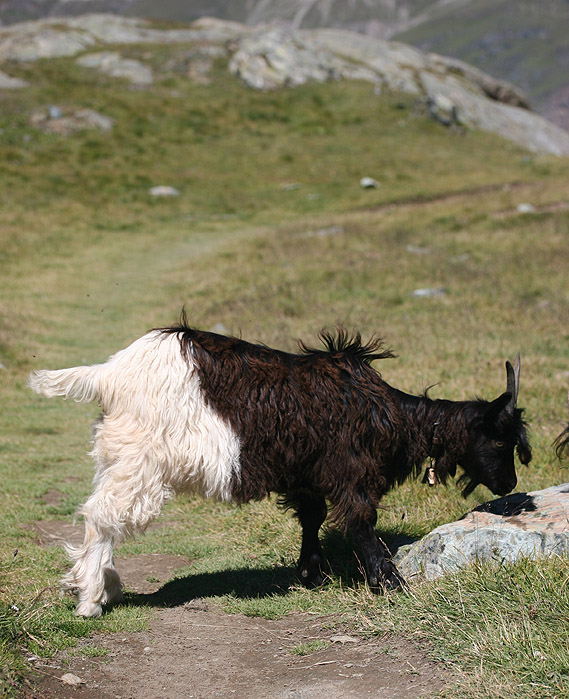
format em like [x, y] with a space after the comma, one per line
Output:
[468, 483]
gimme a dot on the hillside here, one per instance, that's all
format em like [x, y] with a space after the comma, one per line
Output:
[524, 43]
[457, 255]
[450, 91]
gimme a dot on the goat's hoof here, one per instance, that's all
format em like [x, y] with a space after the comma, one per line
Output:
[312, 581]
[88, 609]
[393, 581]
[311, 572]
[388, 579]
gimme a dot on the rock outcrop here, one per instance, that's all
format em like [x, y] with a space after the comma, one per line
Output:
[51, 38]
[266, 59]
[522, 524]
[115, 66]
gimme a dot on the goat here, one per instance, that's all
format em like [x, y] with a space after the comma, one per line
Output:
[188, 410]
[561, 442]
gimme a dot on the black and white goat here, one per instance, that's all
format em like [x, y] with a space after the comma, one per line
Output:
[187, 410]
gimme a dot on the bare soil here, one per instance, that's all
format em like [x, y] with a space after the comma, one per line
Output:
[194, 650]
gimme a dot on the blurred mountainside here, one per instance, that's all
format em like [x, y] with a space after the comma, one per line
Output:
[266, 58]
[524, 43]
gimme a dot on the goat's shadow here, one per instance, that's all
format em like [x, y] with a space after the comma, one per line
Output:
[270, 581]
[258, 583]
[237, 582]
[509, 506]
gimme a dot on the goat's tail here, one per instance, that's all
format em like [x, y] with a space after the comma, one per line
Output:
[83, 383]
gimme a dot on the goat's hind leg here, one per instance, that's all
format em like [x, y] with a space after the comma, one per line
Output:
[93, 577]
[125, 501]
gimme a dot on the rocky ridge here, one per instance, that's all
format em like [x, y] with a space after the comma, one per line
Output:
[521, 42]
[455, 93]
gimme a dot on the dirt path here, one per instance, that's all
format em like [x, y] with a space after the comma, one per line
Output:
[196, 651]
[192, 651]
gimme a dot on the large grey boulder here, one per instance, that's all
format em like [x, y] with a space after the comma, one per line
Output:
[519, 525]
[269, 59]
[472, 108]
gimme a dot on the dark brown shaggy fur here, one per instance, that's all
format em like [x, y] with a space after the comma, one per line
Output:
[322, 426]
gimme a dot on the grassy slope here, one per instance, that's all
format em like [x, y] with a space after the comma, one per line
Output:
[89, 262]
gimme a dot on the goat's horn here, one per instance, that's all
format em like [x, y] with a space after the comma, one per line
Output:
[513, 382]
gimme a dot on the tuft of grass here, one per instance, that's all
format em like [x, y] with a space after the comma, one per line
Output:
[310, 647]
[501, 629]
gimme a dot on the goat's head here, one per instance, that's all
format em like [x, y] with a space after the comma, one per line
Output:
[494, 430]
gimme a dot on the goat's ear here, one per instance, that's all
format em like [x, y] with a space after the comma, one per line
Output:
[497, 406]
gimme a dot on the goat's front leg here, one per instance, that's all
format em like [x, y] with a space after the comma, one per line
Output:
[311, 511]
[379, 568]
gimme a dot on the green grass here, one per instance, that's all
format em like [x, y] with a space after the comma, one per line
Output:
[504, 629]
[310, 647]
[89, 262]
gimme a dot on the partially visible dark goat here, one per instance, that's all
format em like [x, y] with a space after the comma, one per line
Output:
[186, 410]
[561, 443]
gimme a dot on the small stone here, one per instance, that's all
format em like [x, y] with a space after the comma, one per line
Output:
[343, 638]
[418, 250]
[53, 120]
[325, 232]
[9, 83]
[460, 258]
[368, 183]
[71, 679]
[429, 292]
[94, 120]
[525, 208]
[163, 191]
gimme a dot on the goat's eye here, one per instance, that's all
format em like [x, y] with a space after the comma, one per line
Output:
[499, 445]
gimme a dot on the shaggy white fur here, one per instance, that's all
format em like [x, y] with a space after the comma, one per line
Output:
[156, 437]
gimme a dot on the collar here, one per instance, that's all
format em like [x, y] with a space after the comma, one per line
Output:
[430, 476]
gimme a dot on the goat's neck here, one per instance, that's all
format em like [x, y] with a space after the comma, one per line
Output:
[430, 419]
